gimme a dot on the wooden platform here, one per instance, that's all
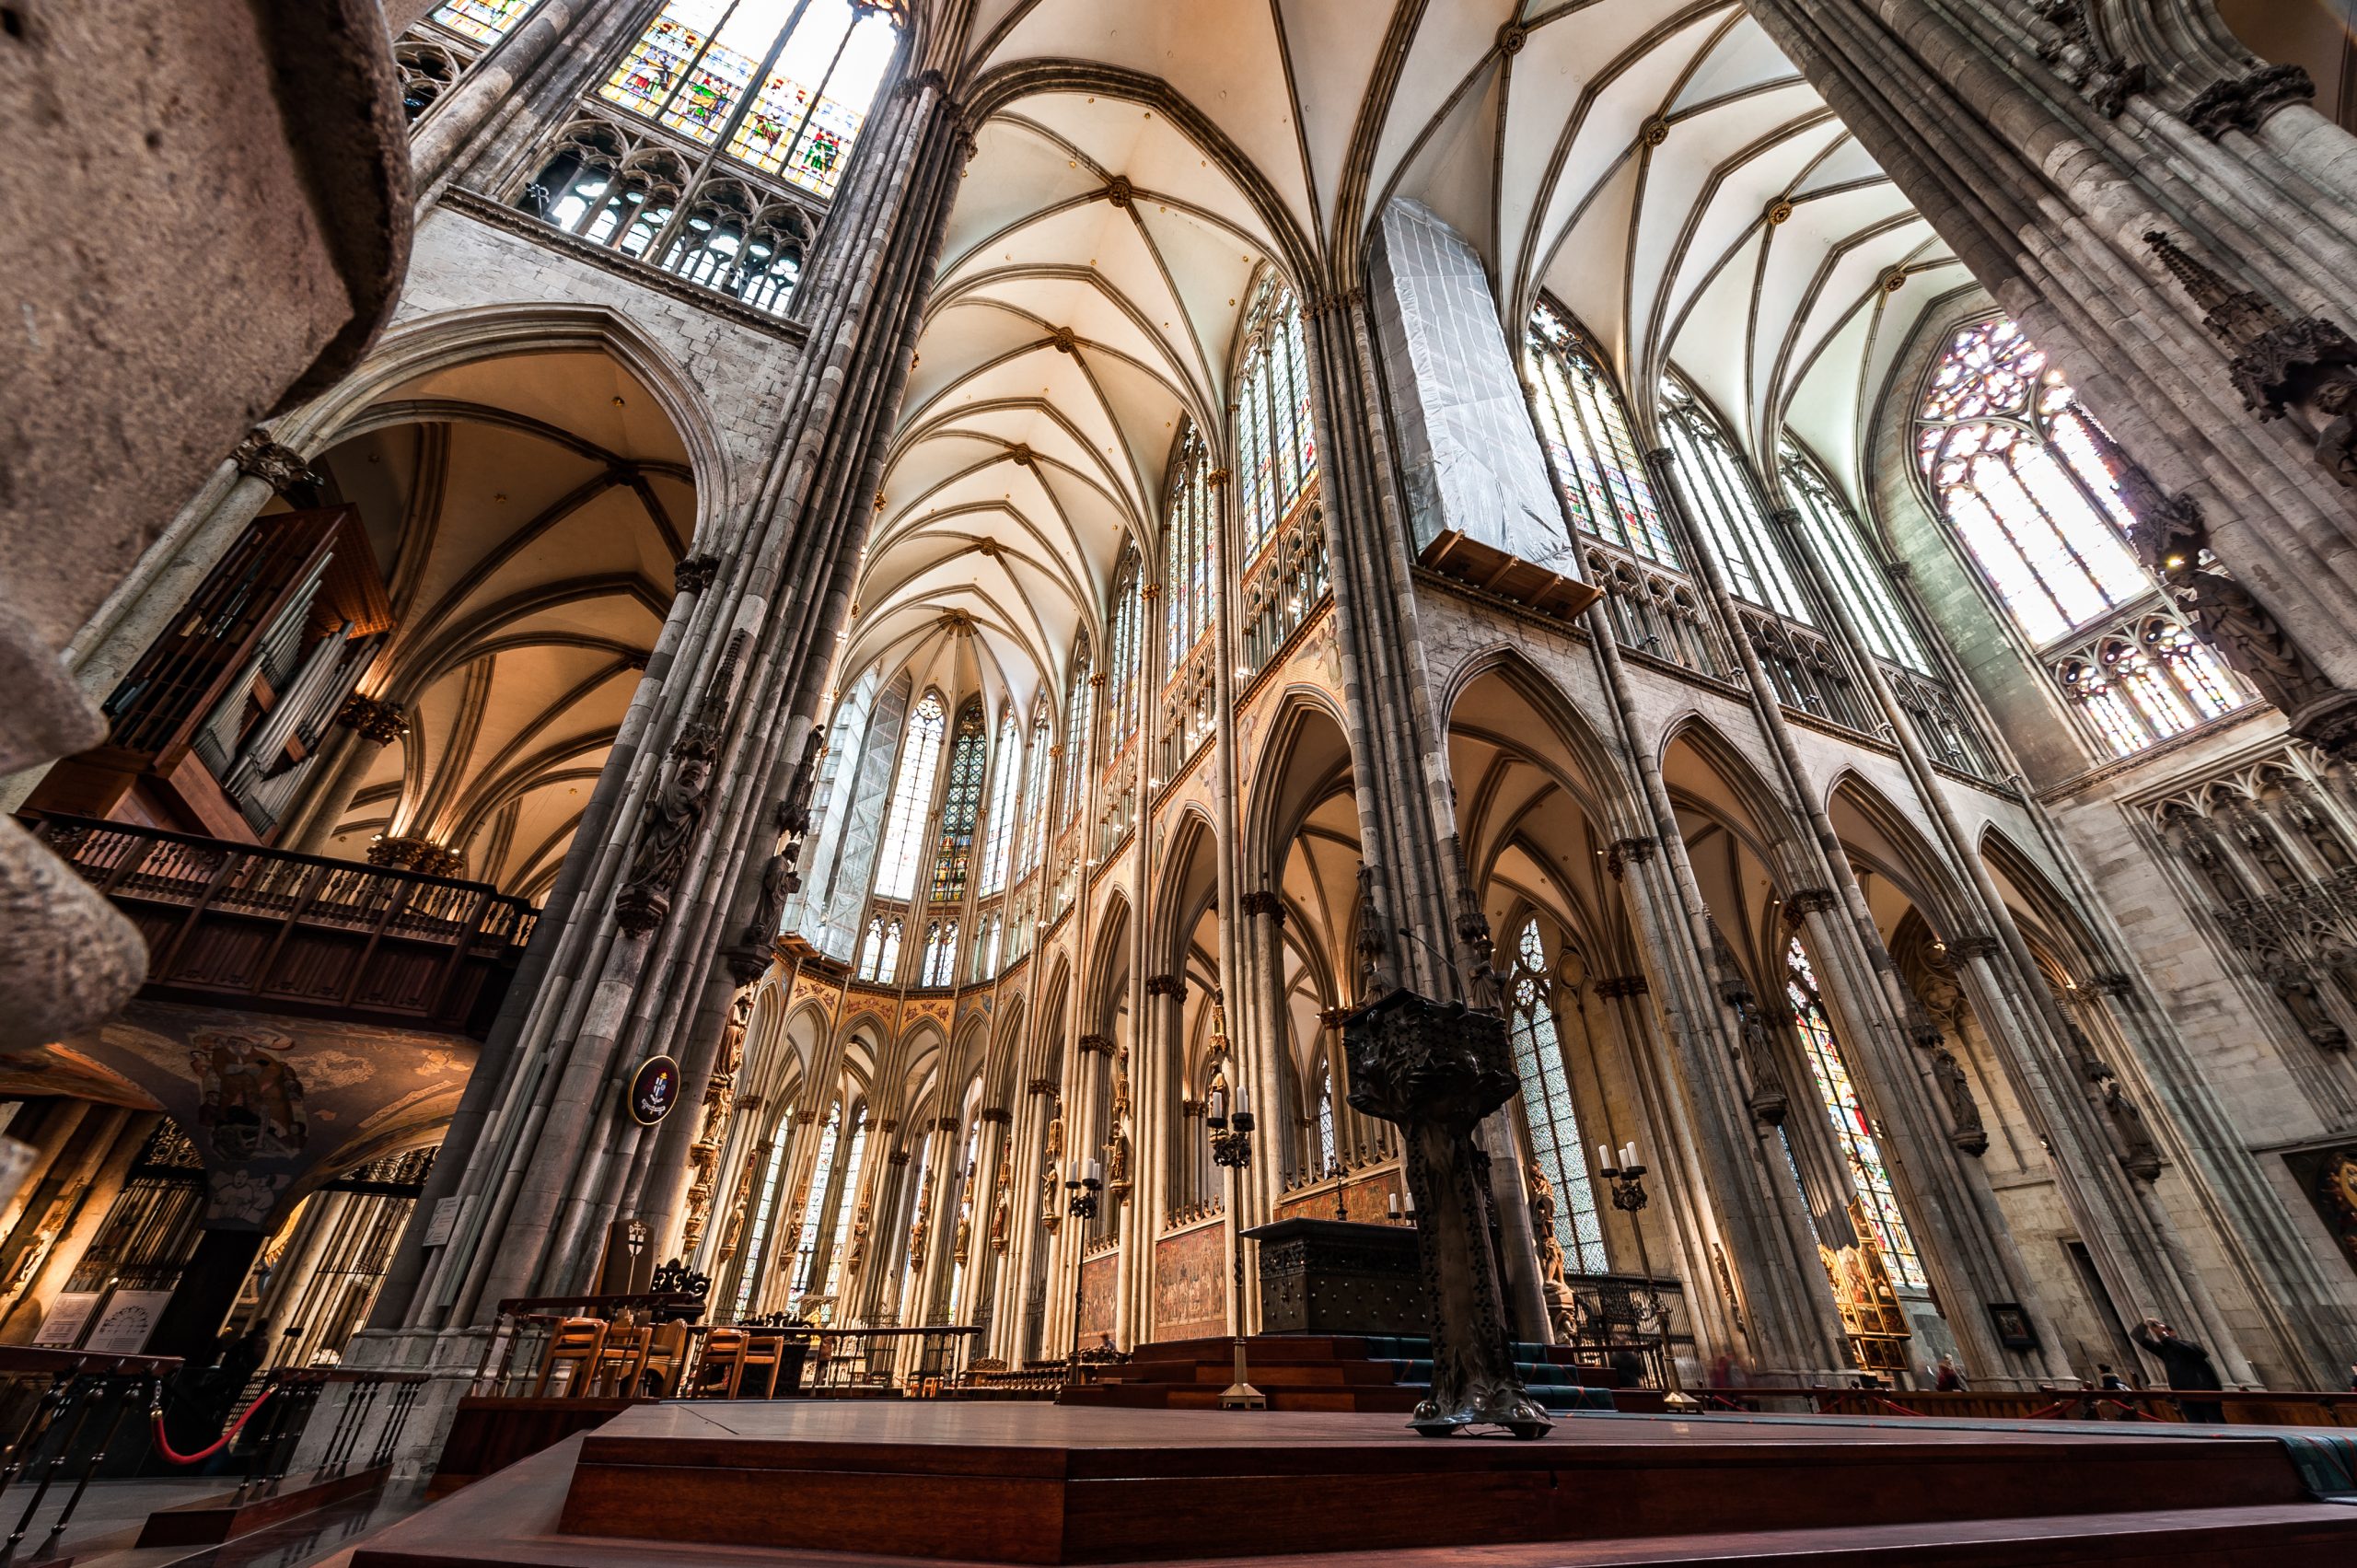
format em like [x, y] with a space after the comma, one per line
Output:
[213, 1520]
[778, 1483]
[1347, 1374]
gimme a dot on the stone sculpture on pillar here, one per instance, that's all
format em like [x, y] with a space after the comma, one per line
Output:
[1434, 1071]
[677, 811]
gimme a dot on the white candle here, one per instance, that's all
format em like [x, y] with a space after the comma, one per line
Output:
[1603, 1157]
[1627, 1156]
[1393, 1205]
[1243, 1101]
[1219, 1105]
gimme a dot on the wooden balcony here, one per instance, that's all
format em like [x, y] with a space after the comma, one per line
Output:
[230, 925]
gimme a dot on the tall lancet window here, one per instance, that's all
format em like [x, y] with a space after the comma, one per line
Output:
[1861, 1143]
[1325, 1150]
[1276, 448]
[1005, 768]
[940, 954]
[879, 956]
[961, 805]
[763, 1208]
[1187, 585]
[1553, 1122]
[1597, 460]
[2017, 468]
[896, 869]
[813, 1214]
[1858, 573]
[489, 21]
[1122, 672]
[1036, 767]
[781, 86]
[1726, 504]
[1079, 711]
[845, 1208]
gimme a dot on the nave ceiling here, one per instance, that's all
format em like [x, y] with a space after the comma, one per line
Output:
[1655, 164]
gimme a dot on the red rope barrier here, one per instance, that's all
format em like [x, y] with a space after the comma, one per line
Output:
[2132, 1411]
[164, 1446]
[2055, 1408]
[1896, 1410]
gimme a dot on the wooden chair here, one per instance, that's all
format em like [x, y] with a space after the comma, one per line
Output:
[577, 1343]
[666, 1358]
[762, 1355]
[623, 1358]
[720, 1367]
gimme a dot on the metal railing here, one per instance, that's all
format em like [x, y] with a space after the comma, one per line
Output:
[65, 1410]
[301, 932]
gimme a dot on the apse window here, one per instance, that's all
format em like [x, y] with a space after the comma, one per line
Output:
[2019, 469]
[487, 22]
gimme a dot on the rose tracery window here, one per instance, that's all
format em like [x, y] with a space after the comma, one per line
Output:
[2017, 468]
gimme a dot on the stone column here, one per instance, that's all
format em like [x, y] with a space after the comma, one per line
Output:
[2046, 142]
[549, 58]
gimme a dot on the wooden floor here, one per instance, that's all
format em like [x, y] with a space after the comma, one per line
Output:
[761, 1483]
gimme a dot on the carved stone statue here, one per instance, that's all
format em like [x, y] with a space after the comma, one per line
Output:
[859, 1224]
[1968, 1134]
[1050, 1179]
[1055, 1140]
[1117, 1162]
[1122, 1105]
[2139, 1155]
[1542, 1207]
[664, 844]
[962, 1244]
[2298, 993]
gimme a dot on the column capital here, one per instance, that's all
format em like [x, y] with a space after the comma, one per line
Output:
[2109, 982]
[1801, 902]
[897, 1157]
[693, 573]
[2246, 103]
[1619, 986]
[1262, 901]
[1973, 945]
[1626, 852]
[1166, 985]
[281, 468]
[1102, 1044]
[944, 1125]
[373, 719]
[999, 1115]
[1041, 1086]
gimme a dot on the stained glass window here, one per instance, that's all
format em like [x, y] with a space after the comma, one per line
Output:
[961, 805]
[1856, 572]
[1861, 1143]
[1726, 505]
[1186, 541]
[814, 1208]
[1036, 767]
[762, 1211]
[1005, 769]
[1548, 1112]
[1079, 710]
[845, 1207]
[1325, 1114]
[488, 20]
[1597, 460]
[1122, 702]
[2018, 469]
[818, 64]
[895, 871]
[1276, 447]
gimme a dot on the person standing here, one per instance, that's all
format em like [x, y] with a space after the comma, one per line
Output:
[2187, 1366]
[1945, 1377]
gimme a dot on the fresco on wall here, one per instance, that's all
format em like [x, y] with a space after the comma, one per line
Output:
[2329, 1178]
[275, 1103]
[1191, 1284]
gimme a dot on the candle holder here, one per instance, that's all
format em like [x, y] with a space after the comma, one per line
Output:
[1232, 1151]
[1625, 1175]
[1080, 1202]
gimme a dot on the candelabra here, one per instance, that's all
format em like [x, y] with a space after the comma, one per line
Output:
[1626, 1177]
[1232, 1151]
[1080, 1202]
[1334, 1173]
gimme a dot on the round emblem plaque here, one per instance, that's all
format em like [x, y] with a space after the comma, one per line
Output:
[654, 1089]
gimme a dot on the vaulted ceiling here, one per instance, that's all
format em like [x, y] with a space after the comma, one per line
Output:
[1656, 164]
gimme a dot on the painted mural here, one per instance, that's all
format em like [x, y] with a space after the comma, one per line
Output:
[2329, 1178]
[277, 1104]
[1096, 1277]
[1190, 1272]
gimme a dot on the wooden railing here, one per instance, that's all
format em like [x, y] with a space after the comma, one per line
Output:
[2291, 1407]
[301, 934]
